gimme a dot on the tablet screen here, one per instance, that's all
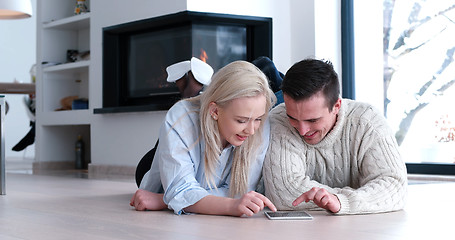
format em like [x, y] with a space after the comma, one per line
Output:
[288, 215]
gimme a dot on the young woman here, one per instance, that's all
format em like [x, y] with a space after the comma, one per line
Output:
[209, 158]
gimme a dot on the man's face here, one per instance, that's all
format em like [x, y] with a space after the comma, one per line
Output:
[311, 117]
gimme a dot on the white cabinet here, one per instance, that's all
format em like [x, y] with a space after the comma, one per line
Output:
[60, 30]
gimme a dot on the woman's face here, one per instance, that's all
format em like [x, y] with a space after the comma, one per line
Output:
[239, 119]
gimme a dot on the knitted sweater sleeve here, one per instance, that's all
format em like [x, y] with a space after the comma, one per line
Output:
[379, 176]
[370, 179]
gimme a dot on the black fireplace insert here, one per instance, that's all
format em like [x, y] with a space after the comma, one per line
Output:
[136, 54]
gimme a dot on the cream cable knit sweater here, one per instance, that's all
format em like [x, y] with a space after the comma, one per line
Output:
[358, 161]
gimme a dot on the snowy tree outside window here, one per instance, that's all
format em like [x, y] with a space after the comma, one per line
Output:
[419, 77]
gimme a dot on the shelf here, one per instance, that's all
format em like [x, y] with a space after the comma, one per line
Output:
[68, 117]
[57, 80]
[72, 67]
[76, 22]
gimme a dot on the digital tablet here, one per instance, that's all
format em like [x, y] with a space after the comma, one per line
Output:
[288, 215]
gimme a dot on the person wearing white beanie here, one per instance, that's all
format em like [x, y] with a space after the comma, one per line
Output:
[190, 76]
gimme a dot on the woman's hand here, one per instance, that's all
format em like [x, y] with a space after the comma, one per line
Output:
[250, 204]
[144, 200]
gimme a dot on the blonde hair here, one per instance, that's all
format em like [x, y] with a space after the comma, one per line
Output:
[236, 80]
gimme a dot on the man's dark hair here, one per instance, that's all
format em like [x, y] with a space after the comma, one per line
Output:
[309, 77]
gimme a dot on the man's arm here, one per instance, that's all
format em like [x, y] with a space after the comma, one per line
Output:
[382, 179]
[285, 178]
[285, 167]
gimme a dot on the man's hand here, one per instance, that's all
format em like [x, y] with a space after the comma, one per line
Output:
[144, 200]
[320, 197]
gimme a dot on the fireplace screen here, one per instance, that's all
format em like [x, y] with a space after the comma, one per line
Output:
[136, 54]
[150, 53]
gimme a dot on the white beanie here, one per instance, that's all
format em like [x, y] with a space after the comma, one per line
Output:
[202, 72]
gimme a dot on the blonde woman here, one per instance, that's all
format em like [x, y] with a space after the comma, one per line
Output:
[209, 158]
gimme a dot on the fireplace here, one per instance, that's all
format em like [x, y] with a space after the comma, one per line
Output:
[136, 54]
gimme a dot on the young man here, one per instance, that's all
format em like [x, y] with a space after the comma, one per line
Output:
[331, 153]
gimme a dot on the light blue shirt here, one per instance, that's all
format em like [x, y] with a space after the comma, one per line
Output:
[178, 165]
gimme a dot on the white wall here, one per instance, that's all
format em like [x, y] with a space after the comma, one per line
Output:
[17, 55]
[368, 53]
[279, 11]
[328, 32]
[122, 138]
[302, 30]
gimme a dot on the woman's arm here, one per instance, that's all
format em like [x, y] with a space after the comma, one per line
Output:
[249, 204]
[144, 200]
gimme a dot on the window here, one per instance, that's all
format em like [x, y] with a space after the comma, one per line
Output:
[418, 79]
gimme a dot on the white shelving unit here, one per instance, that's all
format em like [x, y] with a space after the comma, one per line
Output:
[63, 80]
[59, 30]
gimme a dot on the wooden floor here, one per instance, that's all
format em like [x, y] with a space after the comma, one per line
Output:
[69, 205]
